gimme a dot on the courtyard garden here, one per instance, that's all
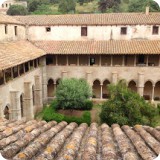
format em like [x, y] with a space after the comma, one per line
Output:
[125, 107]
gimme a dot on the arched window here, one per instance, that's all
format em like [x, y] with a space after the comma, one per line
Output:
[96, 89]
[50, 88]
[132, 86]
[157, 91]
[6, 112]
[148, 90]
[105, 89]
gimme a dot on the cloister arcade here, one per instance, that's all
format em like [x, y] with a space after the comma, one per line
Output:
[151, 90]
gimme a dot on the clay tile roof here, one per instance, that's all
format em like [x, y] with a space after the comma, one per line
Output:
[5, 19]
[61, 141]
[18, 52]
[100, 47]
[92, 19]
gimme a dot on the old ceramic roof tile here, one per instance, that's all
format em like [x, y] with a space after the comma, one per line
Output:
[5, 19]
[18, 52]
[92, 19]
[100, 47]
[64, 141]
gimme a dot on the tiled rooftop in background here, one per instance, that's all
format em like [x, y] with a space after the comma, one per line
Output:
[92, 19]
[14, 53]
[100, 47]
[39, 140]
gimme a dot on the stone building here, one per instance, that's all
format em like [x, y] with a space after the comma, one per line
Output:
[37, 51]
[5, 6]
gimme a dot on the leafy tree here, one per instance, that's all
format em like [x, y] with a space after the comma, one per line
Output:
[140, 5]
[66, 6]
[34, 4]
[103, 5]
[72, 93]
[17, 10]
[126, 107]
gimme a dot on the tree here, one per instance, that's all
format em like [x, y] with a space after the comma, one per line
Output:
[17, 10]
[72, 93]
[140, 5]
[126, 107]
[66, 6]
[103, 5]
[34, 4]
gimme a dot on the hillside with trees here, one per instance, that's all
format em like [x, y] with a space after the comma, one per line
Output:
[82, 6]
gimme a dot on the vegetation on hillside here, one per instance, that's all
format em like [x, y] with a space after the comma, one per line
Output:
[86, 6]
[126, 107]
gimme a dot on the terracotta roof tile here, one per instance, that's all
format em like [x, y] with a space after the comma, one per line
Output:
[62, 141]
[5, 19]
[92, 19]
[18, 52]
[100, 47]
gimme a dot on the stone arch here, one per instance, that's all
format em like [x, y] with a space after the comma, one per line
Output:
[57, 81]
[105, 93]
[96, 89]
[50, 88]
[132, 85]
[157, 91]
[97, 80]
[148, 90]
[22, 104]
[6, 112]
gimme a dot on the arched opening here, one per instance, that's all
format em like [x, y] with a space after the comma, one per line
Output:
[157, 91]
[96, 89]
[33, 95]
[132, 86]
[22, 105]
[148, 90]
[50, 88]
[6, 112]
[105, 93]
[57, 82]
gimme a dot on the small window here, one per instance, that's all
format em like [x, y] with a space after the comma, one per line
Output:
[15, 30]
[123, 30]
[48, 29]
[2, 5]
[83, 31]
[92, 61]
[6, 29]
[6, 5]
[155, 30]
[141, 59]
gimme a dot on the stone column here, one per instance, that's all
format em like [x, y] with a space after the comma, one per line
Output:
[78, 60]
[44, 79]
[140, 85]
[101, 91]
[64, 74]
[100, 60]
[114, 77]
[147, 58]
[135, 59]
[38, 93]
[28, 101]
[67, 60]
[1, 110]
[153, 87]
[111, 60]
[55, 87]
[56, 60]
[123, 60]
[15, 111]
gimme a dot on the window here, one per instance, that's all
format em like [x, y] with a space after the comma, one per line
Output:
[2, 5]
[6, 5]
[155, 30]
[92, 61]
[141, 59]
[48, 29]
[123, 30]
[15, 30]
[83, 31]
[6, 29]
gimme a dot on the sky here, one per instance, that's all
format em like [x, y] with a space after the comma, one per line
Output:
[1, 1]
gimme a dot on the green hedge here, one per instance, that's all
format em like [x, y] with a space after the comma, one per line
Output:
[50, 114]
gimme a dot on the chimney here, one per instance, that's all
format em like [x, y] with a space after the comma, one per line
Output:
[147, 10]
